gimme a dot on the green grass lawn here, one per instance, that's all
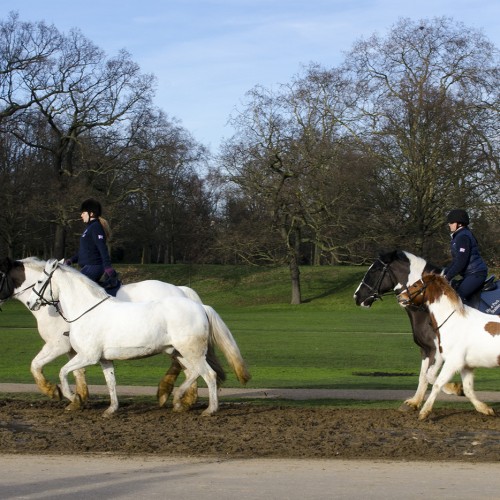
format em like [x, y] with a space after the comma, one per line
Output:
[326, 342]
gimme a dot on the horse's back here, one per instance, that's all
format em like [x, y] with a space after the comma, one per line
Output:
[170, 314]
[148, 290]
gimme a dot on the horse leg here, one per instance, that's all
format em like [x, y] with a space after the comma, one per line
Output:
[449, 368]
[191, 395]
[415, 401]
[468, 384]
[75, 363]
[81, 387]
[166, 386]
[45, 356]
[453, 388]
[109, 374]
[210, 378]
[194, 369]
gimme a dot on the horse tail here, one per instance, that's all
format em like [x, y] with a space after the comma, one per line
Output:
[214, 363]
[191, 294]
[222, 337]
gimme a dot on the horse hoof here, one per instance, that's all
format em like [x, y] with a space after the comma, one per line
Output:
[180, 408]
[407, 407]
[207, 413]
[423, 416]
[109, 413]
[56, 394]
[76, 404]
[490, 412]
[162, 400]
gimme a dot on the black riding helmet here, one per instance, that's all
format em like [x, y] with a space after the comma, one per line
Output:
[458, 215]
[92, 206]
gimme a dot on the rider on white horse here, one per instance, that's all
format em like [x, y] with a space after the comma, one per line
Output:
[93, 256]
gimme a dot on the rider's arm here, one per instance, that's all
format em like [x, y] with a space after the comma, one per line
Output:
[461, 260]
[99, 238]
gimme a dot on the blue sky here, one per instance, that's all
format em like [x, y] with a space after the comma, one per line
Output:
[206, 54]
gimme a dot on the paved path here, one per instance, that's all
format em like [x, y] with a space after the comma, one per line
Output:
[94, 477]
[296, 394]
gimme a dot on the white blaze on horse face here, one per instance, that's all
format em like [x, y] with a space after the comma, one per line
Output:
[417, 265]
[362, 282]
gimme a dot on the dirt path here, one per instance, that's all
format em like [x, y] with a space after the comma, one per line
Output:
[247, 430]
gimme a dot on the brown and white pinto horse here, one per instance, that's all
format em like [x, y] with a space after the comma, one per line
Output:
[389, 274]
[467, 338]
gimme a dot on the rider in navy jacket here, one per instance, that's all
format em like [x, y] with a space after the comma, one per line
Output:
[93, 256]
[467, 260]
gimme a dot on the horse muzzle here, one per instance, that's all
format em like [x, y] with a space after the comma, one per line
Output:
[34, 306]
[404, 299]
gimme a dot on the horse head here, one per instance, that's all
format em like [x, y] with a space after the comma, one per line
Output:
[43, 292]
[12, 276]
[427, 290]
[379, 280]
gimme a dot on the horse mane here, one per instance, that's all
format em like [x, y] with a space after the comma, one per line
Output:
[428, 267]
[84, 281]
[437, 286]
[34, 263]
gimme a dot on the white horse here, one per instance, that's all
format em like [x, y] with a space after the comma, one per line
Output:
[105, 329]
[467, 338]
[16, 280]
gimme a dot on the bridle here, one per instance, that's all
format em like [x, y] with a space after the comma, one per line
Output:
[416, 293]
[423, 307]
[56, 303]
[4, 283]
[377, 294]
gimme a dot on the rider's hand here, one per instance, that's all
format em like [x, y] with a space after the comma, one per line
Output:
[112, 278]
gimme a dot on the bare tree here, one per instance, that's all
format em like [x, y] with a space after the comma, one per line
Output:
[78, 91]
[427, 102]
[25, 49]
[289, 157]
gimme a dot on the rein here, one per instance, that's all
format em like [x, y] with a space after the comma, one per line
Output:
[56, 303]
[432, 323]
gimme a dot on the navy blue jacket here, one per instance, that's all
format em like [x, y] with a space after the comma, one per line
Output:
[93, 249]
[465, 253]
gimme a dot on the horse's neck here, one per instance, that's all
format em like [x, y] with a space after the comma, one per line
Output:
[415, 269]
[73, 294]
[443, 308]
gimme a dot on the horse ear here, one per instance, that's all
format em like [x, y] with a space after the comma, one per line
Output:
[52, 264]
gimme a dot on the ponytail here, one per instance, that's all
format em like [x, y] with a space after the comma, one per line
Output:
[106, 227]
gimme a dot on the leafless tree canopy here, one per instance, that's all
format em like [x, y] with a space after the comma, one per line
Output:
[329, 168]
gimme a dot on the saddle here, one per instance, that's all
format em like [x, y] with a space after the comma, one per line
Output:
[487, 299]
[111, 284]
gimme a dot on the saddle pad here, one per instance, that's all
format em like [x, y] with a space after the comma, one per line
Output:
[490, 301]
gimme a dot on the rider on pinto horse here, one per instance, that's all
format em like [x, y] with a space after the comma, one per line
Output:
[467, 260]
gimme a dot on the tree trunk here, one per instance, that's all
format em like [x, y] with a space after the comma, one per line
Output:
[146, 254]
[60, 242]
[294, 269]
